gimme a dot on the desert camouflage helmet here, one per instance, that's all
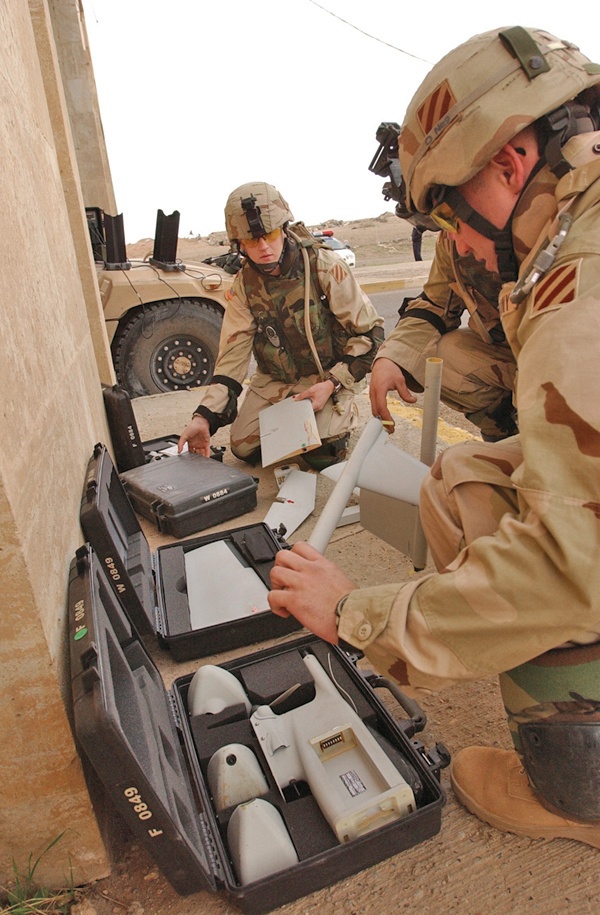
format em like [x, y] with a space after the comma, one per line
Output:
[254, 209]
[478, 97]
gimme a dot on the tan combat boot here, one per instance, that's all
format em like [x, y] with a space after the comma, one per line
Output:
[493, 785]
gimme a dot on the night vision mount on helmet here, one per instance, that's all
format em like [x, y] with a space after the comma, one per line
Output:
[386, 164]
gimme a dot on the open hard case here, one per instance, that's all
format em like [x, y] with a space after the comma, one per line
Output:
[177, 593]
[154, 751]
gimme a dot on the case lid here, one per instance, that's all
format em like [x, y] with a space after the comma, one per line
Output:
[111, 527]
[126, 726]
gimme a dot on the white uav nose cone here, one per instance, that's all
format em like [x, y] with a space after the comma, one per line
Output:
[235, 776]
[259, 842]
[213, 689]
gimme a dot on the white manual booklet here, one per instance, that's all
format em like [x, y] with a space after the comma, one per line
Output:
[287, 428]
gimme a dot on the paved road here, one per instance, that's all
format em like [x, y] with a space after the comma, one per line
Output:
[388, 303]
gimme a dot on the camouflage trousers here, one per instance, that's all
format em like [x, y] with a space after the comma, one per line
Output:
[462, 507]
[264, 390]
[478, 380]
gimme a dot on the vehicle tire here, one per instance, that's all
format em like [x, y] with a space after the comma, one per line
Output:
[167, 346]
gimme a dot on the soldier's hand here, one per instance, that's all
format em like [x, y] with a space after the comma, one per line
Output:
[306, 585]
[387, 376]
[197, 436]
[318, 394]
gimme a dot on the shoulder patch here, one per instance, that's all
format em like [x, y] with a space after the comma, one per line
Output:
[229, 294]
[557, 287]
[338, 272]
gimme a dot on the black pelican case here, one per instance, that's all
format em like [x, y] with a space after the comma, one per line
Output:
[152, 754]
[177, 593]
[187, 493]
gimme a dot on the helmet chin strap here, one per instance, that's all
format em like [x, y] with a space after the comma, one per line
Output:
[508, 267]
[502, 238]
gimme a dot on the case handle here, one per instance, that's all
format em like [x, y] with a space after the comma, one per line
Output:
[418, 718]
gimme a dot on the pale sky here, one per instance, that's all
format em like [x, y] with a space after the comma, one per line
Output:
[198, 96]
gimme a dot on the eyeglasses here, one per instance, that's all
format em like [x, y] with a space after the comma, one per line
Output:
[444, 216]
[268, 237]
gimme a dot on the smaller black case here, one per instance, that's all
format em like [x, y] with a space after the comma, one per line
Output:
[152, 755]
[188, 493]
[152, 587]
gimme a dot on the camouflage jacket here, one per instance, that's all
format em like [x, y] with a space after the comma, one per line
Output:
[265, 318]
[534, 584]
[454, 284]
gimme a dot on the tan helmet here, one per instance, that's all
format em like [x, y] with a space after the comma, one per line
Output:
[478, 97]
[254, 209]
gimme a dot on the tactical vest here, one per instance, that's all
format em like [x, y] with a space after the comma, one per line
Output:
[277, 305]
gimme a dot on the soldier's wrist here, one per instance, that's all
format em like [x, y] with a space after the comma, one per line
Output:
[337, 384]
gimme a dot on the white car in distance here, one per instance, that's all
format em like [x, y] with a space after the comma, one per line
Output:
[342, 249]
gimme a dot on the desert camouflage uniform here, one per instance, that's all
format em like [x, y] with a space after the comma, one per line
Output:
[265, 318]
[514, 526]
[479, 366]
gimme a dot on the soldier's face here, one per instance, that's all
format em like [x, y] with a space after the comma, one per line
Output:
[264, 252]
[468, 241]
[494, 192]
[484, 194]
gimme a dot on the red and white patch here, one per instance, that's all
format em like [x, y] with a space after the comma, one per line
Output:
[557, 287]
[338, 273]
[435, 107]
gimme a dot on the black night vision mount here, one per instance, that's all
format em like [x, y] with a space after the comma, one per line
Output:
[252, 213]
[386, 164]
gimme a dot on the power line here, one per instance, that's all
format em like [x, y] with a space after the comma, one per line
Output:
[373, 37]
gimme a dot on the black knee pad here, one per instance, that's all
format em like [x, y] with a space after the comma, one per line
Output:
[561, 761]
[331, 451]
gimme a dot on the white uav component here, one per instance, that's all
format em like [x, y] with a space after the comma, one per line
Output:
[235, 776]
[259, 843]
[295, 501]
[213, 689]
[325, 743]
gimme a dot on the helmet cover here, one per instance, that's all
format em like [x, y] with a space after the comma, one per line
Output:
[255, 209]
[478, 97]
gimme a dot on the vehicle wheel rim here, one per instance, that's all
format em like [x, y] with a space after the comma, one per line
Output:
[181, 362]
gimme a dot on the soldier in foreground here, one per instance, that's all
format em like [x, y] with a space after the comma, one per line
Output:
[325, 359]
[500, 145]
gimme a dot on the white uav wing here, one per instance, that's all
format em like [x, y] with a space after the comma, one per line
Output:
[295, 501]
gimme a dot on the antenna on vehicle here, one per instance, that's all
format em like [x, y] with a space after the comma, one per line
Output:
[165, 242]
[114, 234]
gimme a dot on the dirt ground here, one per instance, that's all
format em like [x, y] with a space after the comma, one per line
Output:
[468, 867]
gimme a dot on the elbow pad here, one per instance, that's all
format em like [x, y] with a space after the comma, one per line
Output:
[358, 366]
[227, 416]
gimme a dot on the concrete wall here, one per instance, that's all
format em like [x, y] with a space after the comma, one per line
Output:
[54, 354]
